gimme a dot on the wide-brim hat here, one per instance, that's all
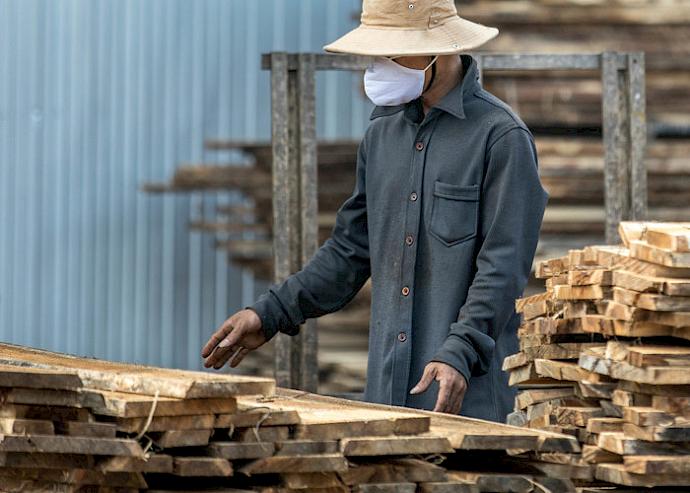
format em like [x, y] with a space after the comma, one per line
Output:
[412, 27]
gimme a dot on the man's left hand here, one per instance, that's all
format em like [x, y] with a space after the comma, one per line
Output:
[452, 386]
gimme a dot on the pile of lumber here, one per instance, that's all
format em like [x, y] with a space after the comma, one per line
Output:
[575, 26]
[82, 425]
[605, 357]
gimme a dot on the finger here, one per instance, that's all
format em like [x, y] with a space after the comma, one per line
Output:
[237, 359]
[444, 393]
[456, 402]
[216, 355]
[227, 346]
[231, 353]
[217, 337]
[425, 381]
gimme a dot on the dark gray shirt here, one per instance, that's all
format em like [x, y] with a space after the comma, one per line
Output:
[444, 218]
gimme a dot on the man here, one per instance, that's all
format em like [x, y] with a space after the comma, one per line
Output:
[444, 218]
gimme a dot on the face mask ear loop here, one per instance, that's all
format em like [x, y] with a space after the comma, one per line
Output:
[433, 73]
[431, 63]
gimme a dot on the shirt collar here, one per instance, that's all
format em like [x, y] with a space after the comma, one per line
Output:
[453, 101]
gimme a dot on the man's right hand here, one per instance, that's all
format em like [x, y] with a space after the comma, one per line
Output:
[238, 335]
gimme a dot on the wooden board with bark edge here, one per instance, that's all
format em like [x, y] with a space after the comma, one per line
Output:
[617, 474]
[617, 257]
[463, 433]
[322, 421]
[122, 377]
[669, 236]
[646, 283]
[650, 253]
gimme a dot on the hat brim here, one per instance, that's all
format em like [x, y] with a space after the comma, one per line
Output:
[455, 36]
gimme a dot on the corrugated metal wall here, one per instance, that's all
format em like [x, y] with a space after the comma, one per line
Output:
[98, 97]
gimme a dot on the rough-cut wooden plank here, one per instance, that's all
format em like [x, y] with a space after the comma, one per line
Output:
[643, 283]
[677, 405]
[660, 390]
[617, 257]
[599, 324]
[463, 432]
[156, 463]
[658, 355]
[120, 404]
[577, 416]
[250, 413]
[657, 464]
[551, 267]
[669, 236]
[241, 450]
[305, 480]
[601, 277]
[163, 423]
[448, 487]
[321, 421]
[567, 292]
[594, 455]
[201, 467]
[307, 447]
[80, 428]
[38, 378]
[680, 433]
[45, 412]
[386, 488]
[373, 446]
[291, 464]
[624, 398]
[530, 397]
[500, 482]
[550, 326]
[563, 370]
[61, 444]
[36, 460]
[19, 426]
[650, 253]
[652, 301]
[647, 416]
[81, 478]
[594, 389]
[616, 473]
[619, 444]
[393, 471]
[184, 438]
[262, 434]
[122, 377]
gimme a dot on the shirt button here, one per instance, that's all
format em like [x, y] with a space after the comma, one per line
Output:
[405, 291]
[409, 239]
[413, 196]
[419, 146]
[402, 337]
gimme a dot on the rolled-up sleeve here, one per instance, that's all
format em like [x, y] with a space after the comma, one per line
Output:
[511, 211]
[332, 277]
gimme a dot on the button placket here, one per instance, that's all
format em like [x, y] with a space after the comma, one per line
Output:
[403, 352]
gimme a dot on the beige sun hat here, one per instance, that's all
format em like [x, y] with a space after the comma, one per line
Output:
[411, 27]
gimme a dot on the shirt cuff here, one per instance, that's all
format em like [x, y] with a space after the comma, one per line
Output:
[269, 312]
[459, 354]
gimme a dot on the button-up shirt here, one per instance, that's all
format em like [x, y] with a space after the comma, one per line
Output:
[444, 218]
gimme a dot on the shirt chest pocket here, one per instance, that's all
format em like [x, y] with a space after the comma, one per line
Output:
[454, 212]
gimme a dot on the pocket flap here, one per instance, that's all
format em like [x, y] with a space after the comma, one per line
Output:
[456, 192]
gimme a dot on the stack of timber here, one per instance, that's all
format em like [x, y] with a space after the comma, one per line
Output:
[605, 357]
[82, 425]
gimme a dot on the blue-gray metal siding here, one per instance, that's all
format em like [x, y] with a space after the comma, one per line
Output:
[98, 97]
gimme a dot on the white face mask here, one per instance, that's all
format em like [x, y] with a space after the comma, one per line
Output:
[388, 83]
